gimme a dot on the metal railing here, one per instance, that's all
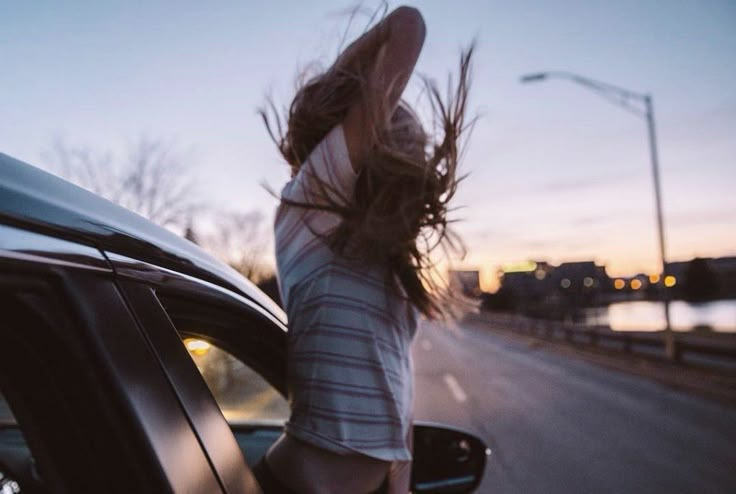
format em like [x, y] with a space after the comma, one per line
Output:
[714, 350]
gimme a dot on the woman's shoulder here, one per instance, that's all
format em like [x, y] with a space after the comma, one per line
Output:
[326, 173]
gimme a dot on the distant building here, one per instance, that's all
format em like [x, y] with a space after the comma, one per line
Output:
[571, 283]
[528, 281]
[580, 283]
[544, 290]
[466, 281]
[580, 276]
[724, 269]
[677, 269]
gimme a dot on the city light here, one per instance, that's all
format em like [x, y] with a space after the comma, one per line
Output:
[197, 347]
[635, 284]
[588, 282]
[619, 284]
[540, 274]
[565, 283]
[520, 267]
[670, 281]
[653, 278]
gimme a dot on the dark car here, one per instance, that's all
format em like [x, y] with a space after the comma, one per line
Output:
[110, 323]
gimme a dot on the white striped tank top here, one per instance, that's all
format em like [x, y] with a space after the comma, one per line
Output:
[349, 361]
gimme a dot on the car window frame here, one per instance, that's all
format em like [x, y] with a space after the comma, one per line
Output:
[107, 359]
[258, 324]
[145, 285]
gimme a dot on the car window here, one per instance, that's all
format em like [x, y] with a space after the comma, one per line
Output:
[12, 445]
[241, 393]
[6, 415]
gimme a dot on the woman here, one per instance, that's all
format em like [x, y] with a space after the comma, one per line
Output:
[365, 205]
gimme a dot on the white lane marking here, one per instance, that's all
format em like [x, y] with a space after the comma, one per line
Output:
[426, 345]
[455, 388]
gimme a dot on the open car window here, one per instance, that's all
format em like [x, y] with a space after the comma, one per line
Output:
[241, 356]
[241, 393]
[6, 416]
[14, 450]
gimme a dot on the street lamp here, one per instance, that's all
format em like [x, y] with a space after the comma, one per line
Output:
[630, 101]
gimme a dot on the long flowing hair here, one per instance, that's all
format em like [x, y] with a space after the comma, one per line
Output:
[397, 216]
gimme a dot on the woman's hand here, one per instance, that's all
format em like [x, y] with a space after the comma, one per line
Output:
[386, 56]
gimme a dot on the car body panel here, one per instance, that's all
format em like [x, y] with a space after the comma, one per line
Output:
[39, 200]
[35, 247]
[97, 396]
[200, 407]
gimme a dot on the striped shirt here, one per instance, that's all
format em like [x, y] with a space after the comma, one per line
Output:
[349, 362]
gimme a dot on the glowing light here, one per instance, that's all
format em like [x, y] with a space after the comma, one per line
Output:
[588, 281]
[635, 284]
[565, 283]
[670, 281]
[540, 274]
[520, 267]
[197, 347]
[653, 278]
[619, 284]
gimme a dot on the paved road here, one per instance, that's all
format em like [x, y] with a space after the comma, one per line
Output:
[558, 424]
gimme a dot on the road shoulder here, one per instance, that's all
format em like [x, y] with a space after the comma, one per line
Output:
[719, 386]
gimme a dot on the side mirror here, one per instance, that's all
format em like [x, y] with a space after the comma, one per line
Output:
[446, 460]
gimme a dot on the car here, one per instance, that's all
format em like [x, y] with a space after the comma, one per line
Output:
[112, 328]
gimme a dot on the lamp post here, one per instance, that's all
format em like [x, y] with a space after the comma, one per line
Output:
[632, 102]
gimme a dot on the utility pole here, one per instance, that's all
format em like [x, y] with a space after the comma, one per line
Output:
[623, 98]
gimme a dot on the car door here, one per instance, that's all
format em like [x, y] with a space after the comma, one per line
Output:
[92, 409]
[171, 306]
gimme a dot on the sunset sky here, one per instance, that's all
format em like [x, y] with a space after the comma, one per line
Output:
[556, 172]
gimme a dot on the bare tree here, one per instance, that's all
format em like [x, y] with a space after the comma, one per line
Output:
[152, 179]
[242, 241]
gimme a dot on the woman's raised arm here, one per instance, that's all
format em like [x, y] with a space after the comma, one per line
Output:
[385, 55]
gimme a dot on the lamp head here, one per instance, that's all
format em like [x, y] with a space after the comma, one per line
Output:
[534, 77]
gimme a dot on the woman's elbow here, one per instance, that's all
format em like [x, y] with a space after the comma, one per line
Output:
[409, 21]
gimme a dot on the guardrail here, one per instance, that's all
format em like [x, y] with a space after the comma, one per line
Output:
[714, 350]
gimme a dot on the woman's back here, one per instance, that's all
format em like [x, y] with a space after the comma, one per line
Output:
[350, 327]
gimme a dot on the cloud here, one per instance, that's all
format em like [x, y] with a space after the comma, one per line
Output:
[479, 235]
[589, 220]
[567, 185]
[699, 218]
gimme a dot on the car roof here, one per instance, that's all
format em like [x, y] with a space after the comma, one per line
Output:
[33, 198]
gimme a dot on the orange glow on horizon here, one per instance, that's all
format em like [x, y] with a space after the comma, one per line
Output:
[624, 268]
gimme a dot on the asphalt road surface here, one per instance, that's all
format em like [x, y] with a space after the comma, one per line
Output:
[557, 424]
